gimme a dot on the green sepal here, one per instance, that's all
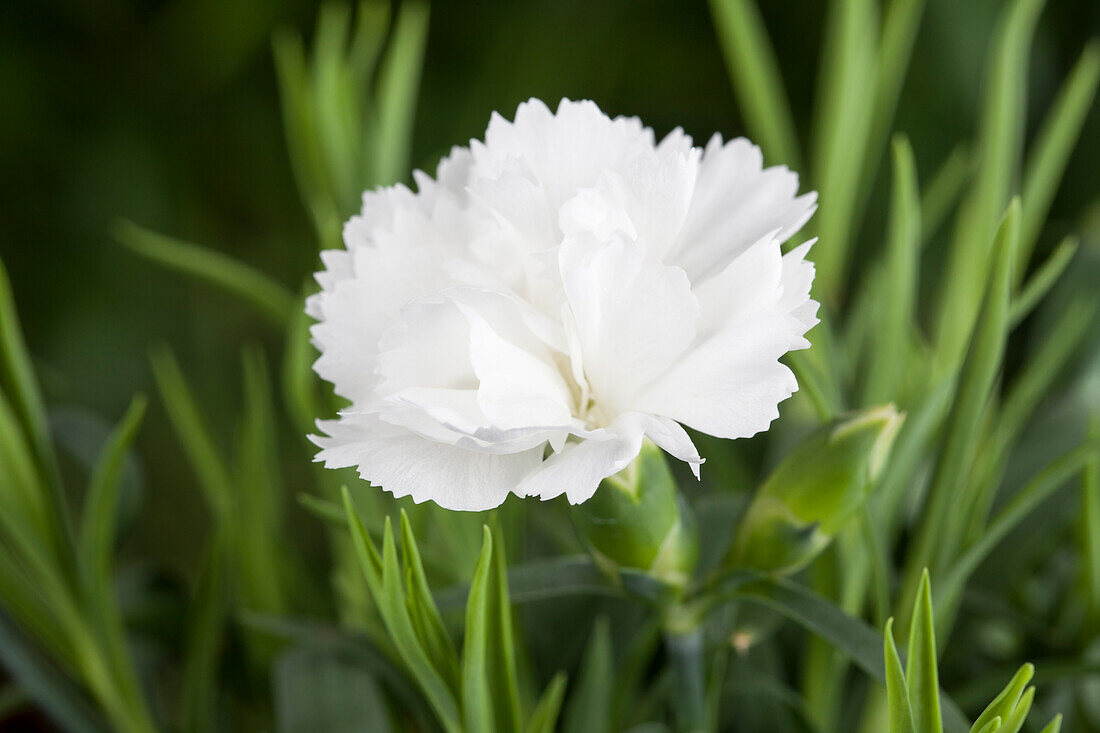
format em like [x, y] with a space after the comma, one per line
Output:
[638, 520]
[814, 491]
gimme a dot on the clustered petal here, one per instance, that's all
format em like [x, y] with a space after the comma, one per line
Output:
[553, 297]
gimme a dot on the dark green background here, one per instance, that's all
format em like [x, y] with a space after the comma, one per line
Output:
[167, 114]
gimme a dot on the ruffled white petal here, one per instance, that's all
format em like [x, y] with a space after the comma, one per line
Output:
[633, 316]
[409, 465]
[729, 386]
[554, 295]
[580, 466]
[737, 201]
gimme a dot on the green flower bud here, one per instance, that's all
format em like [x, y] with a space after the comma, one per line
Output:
[638, 520]
[813, 492]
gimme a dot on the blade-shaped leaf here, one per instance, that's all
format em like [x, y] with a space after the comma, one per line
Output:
[1015, 721]
[398, 82]
[1003, 705]
[941, 530]
[269, 297]
[1034, 492]
[58, 697]
[897, 304]
[1053, 144]
[920, 671]
[754, 71]
[544, 718]
[850, 636]
[205, 637]
[385, 582]
[425, 614]
[1040, 283]
[1054, 726]
[192, 431]
[1000, 144]
[477, 704]
[846, 98]
[258, 495]
[942, 192]
[897, 691]
[1090, 518]
[588, 709]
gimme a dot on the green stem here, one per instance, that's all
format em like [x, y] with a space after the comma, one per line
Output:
[686, 652]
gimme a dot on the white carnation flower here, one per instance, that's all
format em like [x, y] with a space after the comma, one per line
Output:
[555, 295]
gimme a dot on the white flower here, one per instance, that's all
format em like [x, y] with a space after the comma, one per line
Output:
[555, 295]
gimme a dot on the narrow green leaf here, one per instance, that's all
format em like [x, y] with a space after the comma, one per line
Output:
[97, 545]
[848, 635]
[22, 493]
[55, 693]
[942, 192]
[897, 691]
[897, 306]
[754, 71]
[298, 379]
[879, 563]
[367, 41]
[394, 610]
[941, 531]
[385, 582]
[842, 125]
[371, 23]
[205, 637]
[324, 509]
[992, 726]
[398, 82]
[19, 385]
[258, 495]
[477, 706]
[267, 296]
[899, 33]
[99, 520]
[192, 432]
[544, 718]
[588, 709]
[17, 378]
[1003, 705]
[920, 671]
[1037, 490]
[1000, 144]
[303, 145]
[1015, 721]
[1090, 519]
[504, 670]
[1034, 380]
[1054, 726]
[1040, 283]
[437, 642]
[23, 602]
[337, 116]
[1051, 150]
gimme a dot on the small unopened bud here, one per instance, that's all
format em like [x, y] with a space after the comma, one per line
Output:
[814, 491]
[638, 520]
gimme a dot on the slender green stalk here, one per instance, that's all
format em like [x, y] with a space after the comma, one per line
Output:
[757, 80]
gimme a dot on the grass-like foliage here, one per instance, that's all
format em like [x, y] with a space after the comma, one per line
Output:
[939, 421]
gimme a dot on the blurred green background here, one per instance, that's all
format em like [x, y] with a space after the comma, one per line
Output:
[167, 114]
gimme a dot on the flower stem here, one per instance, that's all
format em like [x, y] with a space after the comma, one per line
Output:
[685, 649]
